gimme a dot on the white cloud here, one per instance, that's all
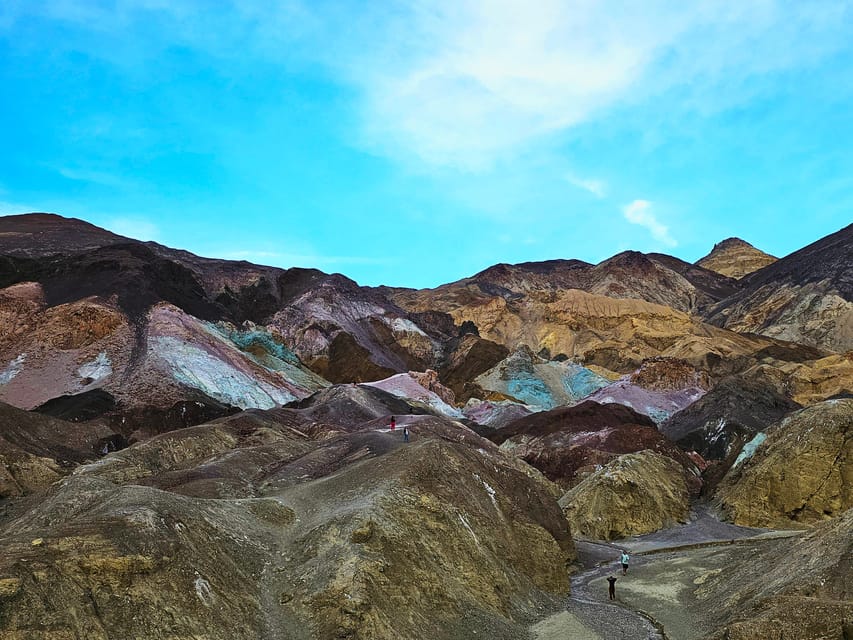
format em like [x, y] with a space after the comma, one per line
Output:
[467, 84]
[638, 213]
[496, 76]
[595, 187]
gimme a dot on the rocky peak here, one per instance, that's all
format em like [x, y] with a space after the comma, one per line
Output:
[735, 258]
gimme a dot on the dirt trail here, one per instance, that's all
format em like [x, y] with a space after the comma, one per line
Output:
[590, 614]
[662, 568]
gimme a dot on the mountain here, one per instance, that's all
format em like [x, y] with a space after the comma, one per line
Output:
[655, 278]
[806, 297]
[140, 316]
[205, 449]
[735, 258]
[37, 235]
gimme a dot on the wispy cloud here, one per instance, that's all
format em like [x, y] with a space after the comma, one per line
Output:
[466, 84]
[593, 186]
[98, 177]
[638, 212]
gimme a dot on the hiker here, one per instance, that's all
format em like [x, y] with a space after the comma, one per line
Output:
[393, 423]
[624, 560]
[612, 590]
[405, 433]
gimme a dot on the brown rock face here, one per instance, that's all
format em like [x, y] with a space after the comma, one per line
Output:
[807, 382]
[429, 380]
[45, 234]
[247, 528]
[669, 374]
[735, 258]
[617, 334]
[801, 474]
[633, 494]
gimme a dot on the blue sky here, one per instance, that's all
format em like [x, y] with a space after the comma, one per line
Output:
[416, 143]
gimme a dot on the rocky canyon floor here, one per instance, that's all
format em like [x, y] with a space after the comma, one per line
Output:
[655, 599]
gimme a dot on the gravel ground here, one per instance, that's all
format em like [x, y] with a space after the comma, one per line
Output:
[663, 569]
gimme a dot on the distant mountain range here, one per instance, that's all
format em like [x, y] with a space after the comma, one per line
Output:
[192, 447]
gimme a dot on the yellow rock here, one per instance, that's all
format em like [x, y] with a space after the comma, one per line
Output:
[9, 587]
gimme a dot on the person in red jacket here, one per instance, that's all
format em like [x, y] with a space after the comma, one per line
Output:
[393, 423]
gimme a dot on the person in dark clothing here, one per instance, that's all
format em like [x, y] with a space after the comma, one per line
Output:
[405, 434]
[612, 590]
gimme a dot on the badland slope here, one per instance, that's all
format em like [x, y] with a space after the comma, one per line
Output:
[718, 425]
[569, 442]
[633, 494]
[800, 587]
[805, 297]
[342, 331]
[800, 471]
[247, 528]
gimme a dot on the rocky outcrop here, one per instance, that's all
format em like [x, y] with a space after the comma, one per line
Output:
[633, 494]
[658, 405]
[468, 357]
[539, 383]
[247, 528]
[669, 374]
[735, 258]
[721, 422]
[807, 382]
[430, 381]
[411, 387]
[806, 297]
[798, 472]
[151, 365]
[495, 413]
[568, 443]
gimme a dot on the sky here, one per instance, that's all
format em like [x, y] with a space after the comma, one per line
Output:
[413, 143]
